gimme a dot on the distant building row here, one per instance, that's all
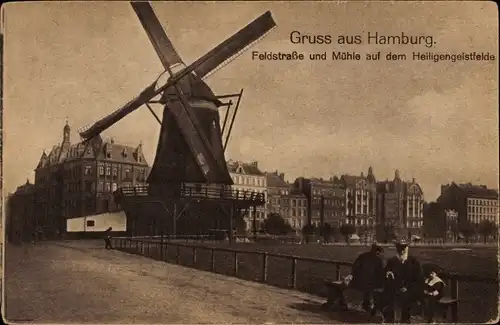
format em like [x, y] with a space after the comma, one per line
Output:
[77, 180]
[357, 200]
[458, 205]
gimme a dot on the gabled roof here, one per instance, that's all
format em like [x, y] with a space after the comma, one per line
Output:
[239, 167]
[274, 180]
[97, 149]
[350, 179]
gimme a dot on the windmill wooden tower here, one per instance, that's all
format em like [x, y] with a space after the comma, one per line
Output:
[189, 172]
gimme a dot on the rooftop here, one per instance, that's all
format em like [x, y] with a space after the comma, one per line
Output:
[239, 167]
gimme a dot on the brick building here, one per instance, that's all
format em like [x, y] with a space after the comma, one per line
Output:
[20, 206]
[325, 199]
[277, 194]
[285, 200]
[472, 203]
[248, 177]
[77, 180]
[400, 204]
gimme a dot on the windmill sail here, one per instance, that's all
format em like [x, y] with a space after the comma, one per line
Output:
[195, 125]
[162, 44]
[234, 46]
[109, 120]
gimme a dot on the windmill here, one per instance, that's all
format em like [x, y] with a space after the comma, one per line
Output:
[190, 146]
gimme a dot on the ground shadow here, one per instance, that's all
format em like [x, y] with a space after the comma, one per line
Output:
[348, 316]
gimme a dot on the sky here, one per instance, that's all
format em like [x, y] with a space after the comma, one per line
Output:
[435, 122]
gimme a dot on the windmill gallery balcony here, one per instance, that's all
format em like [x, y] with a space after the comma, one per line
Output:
[200, 192]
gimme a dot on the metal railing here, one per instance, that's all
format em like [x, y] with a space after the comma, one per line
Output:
[160, 250]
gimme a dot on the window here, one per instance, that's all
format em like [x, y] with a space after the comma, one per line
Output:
[100, 187]
[107, 187]
[88, 170]
[108, 171]
[114, 187]
[101, 171]
[90, 223]
[127, 173]
[88, 186]
[115, 171]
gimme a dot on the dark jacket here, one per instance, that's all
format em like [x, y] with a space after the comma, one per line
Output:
[407, 274]
[367, 271]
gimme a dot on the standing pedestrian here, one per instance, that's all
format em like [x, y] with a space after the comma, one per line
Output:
[107, 238]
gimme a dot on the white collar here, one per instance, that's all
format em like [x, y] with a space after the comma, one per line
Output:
[433, 281]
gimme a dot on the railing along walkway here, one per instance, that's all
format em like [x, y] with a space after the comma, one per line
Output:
[285, 274]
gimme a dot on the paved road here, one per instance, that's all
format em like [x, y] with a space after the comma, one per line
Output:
[81, 282]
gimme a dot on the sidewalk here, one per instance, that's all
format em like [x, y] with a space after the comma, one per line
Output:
[82, 282]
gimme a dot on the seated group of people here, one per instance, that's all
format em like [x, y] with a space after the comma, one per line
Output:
[401, 280]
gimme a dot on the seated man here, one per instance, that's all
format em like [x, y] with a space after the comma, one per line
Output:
[367, 275]
[403, 283]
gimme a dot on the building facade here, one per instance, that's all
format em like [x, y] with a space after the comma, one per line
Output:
[471, 203]
[20, 221]
[278, 191]
[400, 204]
[248, 177]
[76, 180]
[361, 199]
[285, 200]
[434, 220]
[297, 217]
[325, 199]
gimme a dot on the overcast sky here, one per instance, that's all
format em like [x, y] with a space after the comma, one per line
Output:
[436, 122]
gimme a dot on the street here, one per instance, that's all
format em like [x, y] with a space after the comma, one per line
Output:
[82, 282]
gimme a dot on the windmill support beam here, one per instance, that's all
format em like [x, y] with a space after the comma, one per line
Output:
[232, 120]
[153, 112]
[228, 96]
[226, 117]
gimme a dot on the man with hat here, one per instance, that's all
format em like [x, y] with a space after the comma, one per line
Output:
[403, 283]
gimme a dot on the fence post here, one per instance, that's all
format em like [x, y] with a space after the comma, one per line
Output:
[235, 263]
[165, 252]
[264, 267]
[194, 256]
[178, 253]
[293, 285]
[136, 246]
[454, 295]
[212, 266]
[337, 271]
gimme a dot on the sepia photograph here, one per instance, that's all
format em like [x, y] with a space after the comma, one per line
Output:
[249, 162]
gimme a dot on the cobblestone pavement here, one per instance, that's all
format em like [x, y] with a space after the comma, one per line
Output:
[81, 282]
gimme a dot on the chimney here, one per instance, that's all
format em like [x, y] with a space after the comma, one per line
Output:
[254, 164]
[112, 141]
[282, 176]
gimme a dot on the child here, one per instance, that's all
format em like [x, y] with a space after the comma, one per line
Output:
[433, 291]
